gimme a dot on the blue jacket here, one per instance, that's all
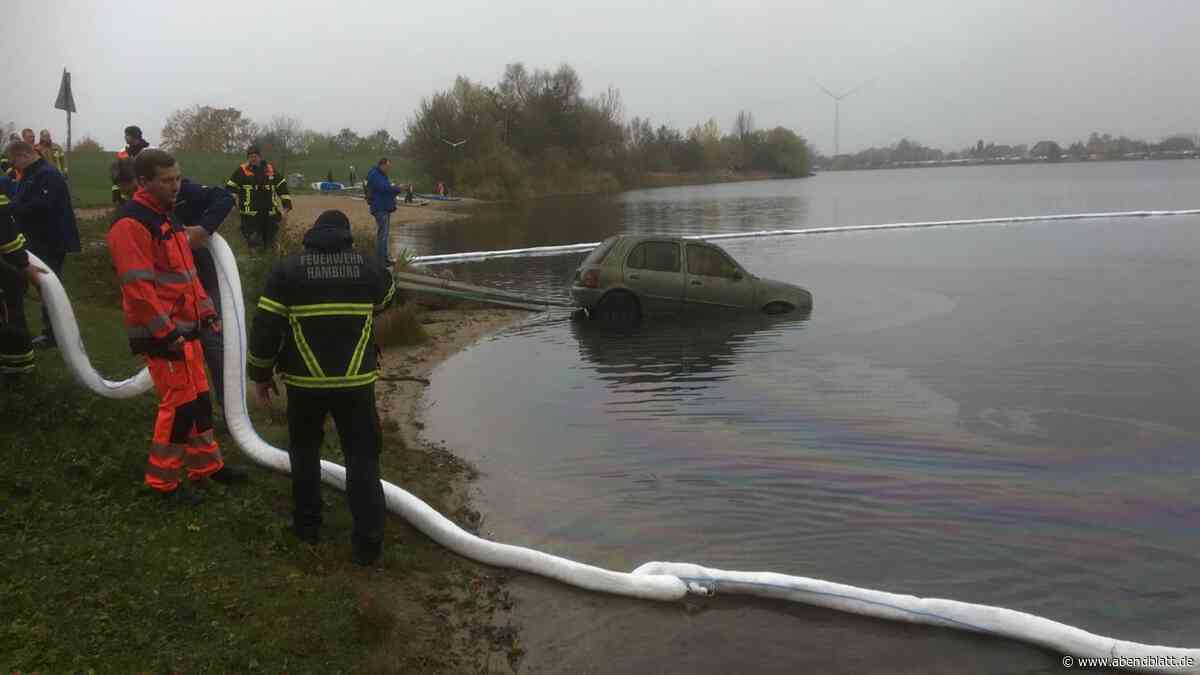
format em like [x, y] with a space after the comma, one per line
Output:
[207, 207]
[42, 208]
[381, 194]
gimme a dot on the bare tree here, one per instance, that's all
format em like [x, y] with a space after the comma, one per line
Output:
[87, 144]
[208, 129]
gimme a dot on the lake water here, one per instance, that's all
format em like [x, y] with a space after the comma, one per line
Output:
[997, 414]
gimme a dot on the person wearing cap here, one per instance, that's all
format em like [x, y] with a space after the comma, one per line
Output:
[134, 144]
[314, 326]
[263, 198]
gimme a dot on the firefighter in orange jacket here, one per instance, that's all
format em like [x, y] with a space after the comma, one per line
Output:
[166, 308]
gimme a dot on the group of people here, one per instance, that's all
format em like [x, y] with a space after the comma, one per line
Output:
[45, 147]
[313, 326]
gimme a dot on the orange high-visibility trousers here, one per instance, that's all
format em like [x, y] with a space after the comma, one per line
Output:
[183, 432]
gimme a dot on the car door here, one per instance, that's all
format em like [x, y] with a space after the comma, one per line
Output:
[654, 272]
[714, 280]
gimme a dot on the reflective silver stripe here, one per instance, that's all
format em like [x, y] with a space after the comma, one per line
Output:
[150, 328]
[165, 475]
[177, 277]
[167, 453]
[202, 458]
[133, 275]
[185, 326]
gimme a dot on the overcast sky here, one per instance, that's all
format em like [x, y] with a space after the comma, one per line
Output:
[943, 72]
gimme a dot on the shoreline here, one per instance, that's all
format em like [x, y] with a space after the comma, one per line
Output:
[443, 612]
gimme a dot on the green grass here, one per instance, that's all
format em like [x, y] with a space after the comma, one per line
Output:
[91, 185]
[98, 572]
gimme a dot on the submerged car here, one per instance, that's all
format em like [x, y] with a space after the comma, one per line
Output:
[627, 277]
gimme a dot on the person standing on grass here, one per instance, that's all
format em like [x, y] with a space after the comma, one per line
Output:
[16, 274]
[314, 325]
[166, 310]
[201, 210]
[263, 198]
[134, 144]
[381, 198]
[44, 214]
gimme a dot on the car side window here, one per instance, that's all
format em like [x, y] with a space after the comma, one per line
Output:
[709, 262]
[656, 256]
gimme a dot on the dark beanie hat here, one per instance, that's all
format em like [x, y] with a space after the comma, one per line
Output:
[134, 131]
[253, 150]
[333, 218]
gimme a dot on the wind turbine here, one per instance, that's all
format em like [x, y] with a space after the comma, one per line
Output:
[837, 102]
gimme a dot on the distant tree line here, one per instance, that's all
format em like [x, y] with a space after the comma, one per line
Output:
[228, 130]
[1097, 147]
[535, 132]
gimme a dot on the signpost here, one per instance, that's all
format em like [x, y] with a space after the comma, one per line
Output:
[66, 101]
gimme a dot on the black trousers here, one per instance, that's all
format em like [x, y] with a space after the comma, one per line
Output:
[16, 356]
[357, 421]
[214, 345]
[54, 259]
[260, 229]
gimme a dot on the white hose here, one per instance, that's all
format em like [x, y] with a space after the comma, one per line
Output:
[837, 229]
[70, 342]
[655, 580]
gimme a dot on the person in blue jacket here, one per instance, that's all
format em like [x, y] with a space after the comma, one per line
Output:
[201, 209]
[43, 211]
[381, 198]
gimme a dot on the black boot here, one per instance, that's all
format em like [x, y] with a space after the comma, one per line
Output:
[366, 553]
[183, 496]
[308, 535]
[231, 473]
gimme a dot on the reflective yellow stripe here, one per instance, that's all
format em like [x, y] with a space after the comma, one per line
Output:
[17, 370]
[332, 309]
[12, 246]
[361, 348]
[246, 201]
[387, 298]
[267, 304]
[16, 359]
[310, 359]
[259, 363]
[329, 382]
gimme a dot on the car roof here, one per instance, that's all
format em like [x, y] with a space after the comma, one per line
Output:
[638, 238]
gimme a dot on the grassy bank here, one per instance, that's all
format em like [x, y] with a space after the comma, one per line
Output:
[91, 185]
[99, 573]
